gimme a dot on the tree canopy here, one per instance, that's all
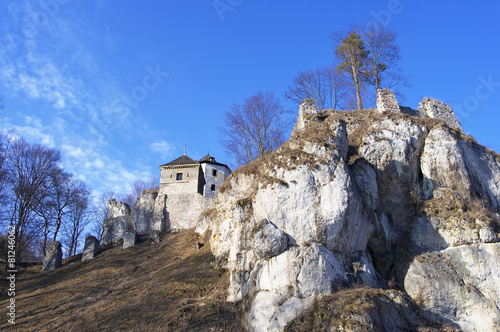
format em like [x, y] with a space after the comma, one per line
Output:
[253, 128]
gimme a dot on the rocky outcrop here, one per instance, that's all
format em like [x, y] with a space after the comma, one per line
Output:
[129, 239]
[362, 198]
[90, 248]
[147, 218]
[458, 285]
[119, 222]
[436, 109]
[53, 257]
[291, 228]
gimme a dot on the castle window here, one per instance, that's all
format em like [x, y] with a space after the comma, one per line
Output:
[214, 172]
[212, 187]
[179, 176]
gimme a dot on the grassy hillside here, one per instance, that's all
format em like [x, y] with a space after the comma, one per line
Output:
[167, 287]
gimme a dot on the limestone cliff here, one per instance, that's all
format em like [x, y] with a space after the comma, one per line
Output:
[387, 198]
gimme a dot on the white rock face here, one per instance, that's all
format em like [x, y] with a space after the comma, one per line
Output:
[118, 223]
[459, 285]
[286, 284]
[438, 110]
[393, 148]
[143, 212]
[449, 162]
[431, 233]
[290, 233]
[302, 223]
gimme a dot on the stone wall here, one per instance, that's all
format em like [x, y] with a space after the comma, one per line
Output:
[184, 210]
[191, 176]
[386, 101]
[143, 211]
[153, 212]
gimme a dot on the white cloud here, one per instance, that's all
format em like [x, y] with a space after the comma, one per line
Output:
[164, 149]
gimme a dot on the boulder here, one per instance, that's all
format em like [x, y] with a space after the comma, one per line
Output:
[53, 258]
[458, 285]
[90, 248]
[269, 241]
[129, 240]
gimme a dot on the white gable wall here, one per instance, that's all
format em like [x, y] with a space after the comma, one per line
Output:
[208, 171]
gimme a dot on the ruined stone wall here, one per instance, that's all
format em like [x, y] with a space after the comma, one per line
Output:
[386, 101]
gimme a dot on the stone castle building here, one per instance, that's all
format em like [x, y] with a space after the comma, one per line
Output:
[187, 189]
[185, 175]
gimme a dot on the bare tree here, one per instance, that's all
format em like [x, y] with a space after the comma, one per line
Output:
[62, 192]
[5, 144]
[353, 59]
[100, 212]
[28, 176]
[326, 86]
[65, 191]
[77, 219]
[384, 57]
[138, 187]
[254, 128]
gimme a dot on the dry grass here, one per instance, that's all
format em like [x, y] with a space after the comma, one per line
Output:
[357, 309]
[167, 287]
[461, 214]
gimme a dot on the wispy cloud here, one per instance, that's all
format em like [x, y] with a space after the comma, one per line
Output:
[53, 65]
[163, 149]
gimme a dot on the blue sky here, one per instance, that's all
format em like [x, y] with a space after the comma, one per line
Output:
[120, 86]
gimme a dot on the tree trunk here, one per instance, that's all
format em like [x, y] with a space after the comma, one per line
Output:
[358, 89]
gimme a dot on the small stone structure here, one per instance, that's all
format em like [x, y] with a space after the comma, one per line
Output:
[386, 101]
[129, 239]
[53, 258]
[307, 107]
[90, 249]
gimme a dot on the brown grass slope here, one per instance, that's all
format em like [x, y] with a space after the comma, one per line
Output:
[167, 287]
